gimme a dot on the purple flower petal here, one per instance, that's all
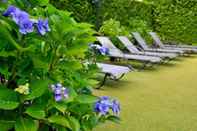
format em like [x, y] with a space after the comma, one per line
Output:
[58, 97]
[43, 26]
[58, 90]
[58, 85]
[26, 26]
[18, 16]
[11, 9]
[104, 50]
[103, 105]
[115, 107]
[101, 108]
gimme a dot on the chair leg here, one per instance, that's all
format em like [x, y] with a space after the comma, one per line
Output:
[103, 82]
[131, 67]
[117, 78]
[144, 65]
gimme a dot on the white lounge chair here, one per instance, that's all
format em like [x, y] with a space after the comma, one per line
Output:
[159, 43]
[116, 53]
[114, 72]
[132, 49]
[145, 47]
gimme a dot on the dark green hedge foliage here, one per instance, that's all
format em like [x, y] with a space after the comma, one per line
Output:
[83, 10]
[174, 20]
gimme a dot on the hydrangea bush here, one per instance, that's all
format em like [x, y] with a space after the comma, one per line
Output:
[44, 84]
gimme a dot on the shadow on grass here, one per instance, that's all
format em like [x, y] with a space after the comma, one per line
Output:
[120, 85]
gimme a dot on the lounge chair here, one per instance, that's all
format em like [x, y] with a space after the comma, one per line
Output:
[145, 47]
[181, 46]
[116, 53]
[114, 72]
[159, 43]
[132, 49]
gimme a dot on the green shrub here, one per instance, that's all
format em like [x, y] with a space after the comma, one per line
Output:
[176, 20]
[44, 83]
[112, 29]
[83, 10]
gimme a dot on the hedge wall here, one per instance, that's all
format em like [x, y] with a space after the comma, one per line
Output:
[175, 20]
[83, 10]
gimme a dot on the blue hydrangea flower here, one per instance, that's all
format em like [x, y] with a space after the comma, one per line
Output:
[104, 50]
[11, 9]
[115, 107]
[26, 26]
[58, 97]
[21, 18]
[92, 46]
[18, 16]
[102, 108]
[60, 92]
[43, 26]
[104, 104]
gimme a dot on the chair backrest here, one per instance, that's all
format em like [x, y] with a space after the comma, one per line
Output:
[106, 42]
[128, 44]
[140, 40]
[156, 39]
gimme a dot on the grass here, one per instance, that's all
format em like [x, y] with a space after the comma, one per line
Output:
[162, 99]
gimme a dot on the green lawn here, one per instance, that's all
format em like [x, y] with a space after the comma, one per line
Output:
[162, 99]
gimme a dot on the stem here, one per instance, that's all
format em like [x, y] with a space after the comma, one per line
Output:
[53, 59]
[13, 70]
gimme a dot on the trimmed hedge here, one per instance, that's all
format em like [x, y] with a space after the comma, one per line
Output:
[174, 20]
[83, 10]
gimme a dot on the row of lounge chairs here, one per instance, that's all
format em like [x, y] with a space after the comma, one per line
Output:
[159, 53]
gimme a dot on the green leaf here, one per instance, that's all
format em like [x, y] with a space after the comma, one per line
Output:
[114, 119]
[60, 128]
[86, 99]
[36, 111]
[7, 53]
[24, 124]
[6, 36]
[60, 120]
[6, 125]
[74, 123]
[39, 2]
[43, 2]
[40, 63]
[61, 106]
[72, 94]
[8, 99]
[37, 89]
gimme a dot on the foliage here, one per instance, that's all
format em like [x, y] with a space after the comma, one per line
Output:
[113, 28]
[126, 10]
[44, 83]
[83, 10]
[176, 20]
